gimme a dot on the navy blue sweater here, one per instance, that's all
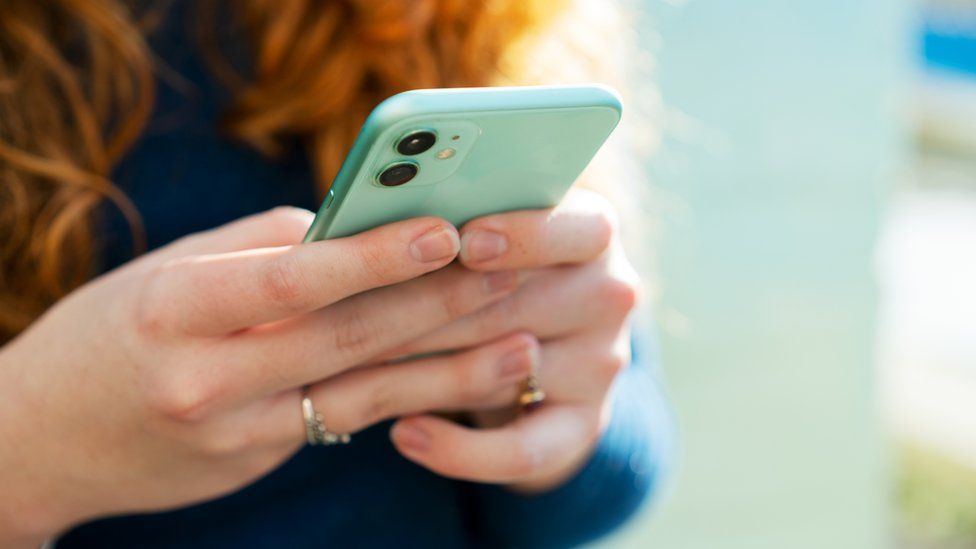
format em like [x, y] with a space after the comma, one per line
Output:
[185, 177]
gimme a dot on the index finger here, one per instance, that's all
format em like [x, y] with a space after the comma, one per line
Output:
[222, 293]
[576, 231]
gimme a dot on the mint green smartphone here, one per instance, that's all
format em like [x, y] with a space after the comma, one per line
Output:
[464, 153]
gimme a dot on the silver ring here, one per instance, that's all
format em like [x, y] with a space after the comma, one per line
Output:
[315, 431]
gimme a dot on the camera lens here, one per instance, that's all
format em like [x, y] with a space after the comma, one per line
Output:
[416, 143]
[398, 174]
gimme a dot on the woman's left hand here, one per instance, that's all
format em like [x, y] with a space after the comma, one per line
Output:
[577, 297]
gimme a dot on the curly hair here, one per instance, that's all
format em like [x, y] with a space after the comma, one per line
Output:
[77, 80]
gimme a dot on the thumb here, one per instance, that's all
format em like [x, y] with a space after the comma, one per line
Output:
[275, 227]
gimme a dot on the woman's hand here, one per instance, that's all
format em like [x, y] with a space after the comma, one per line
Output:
[577, 297]
[177, 377]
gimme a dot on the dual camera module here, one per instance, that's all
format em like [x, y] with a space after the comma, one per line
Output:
[411, 144]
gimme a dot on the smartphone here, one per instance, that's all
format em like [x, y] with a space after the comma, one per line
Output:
[463, 153]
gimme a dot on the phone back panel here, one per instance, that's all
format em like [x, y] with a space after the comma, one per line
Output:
[497, 150]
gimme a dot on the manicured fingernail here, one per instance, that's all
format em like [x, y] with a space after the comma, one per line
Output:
[411, 437]
[515, 365]
[434, 245]
[499, 281]
[480, 246]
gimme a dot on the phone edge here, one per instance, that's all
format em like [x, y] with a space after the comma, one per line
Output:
[419, 103]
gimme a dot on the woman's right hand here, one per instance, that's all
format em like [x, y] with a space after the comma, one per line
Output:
[177, 378]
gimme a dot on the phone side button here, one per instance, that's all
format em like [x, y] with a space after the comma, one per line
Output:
[327, 203]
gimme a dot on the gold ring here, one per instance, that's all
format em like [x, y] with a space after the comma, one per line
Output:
[532, 394]
[315, 430]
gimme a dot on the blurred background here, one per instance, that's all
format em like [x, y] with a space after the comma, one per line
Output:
[815, 188]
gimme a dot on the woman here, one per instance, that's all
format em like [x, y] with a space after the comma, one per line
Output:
[160, 403]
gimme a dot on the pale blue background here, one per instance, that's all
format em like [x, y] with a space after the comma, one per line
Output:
[784, 132]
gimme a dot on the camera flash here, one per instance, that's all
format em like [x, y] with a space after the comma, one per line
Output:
[444, 154]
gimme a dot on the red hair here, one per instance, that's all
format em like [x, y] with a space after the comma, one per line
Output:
[76, 90]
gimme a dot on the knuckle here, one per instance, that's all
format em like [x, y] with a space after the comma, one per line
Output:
[282, 281]
[152, 317]
[494, 320]
[621, 294]
[182, 398]
[502, 316]
[151, 322]
[354, 333]
[613, 363]
[603, 216]
[380, 404]
[459, 295]
[605, 224]
[455, 302]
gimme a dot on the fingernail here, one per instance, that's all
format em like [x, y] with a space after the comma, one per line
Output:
[499, 281]
[411, 437]
[435, 244]
[480, 246]
[515, 365]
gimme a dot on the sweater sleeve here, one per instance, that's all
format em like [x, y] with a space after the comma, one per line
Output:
[625, 470]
